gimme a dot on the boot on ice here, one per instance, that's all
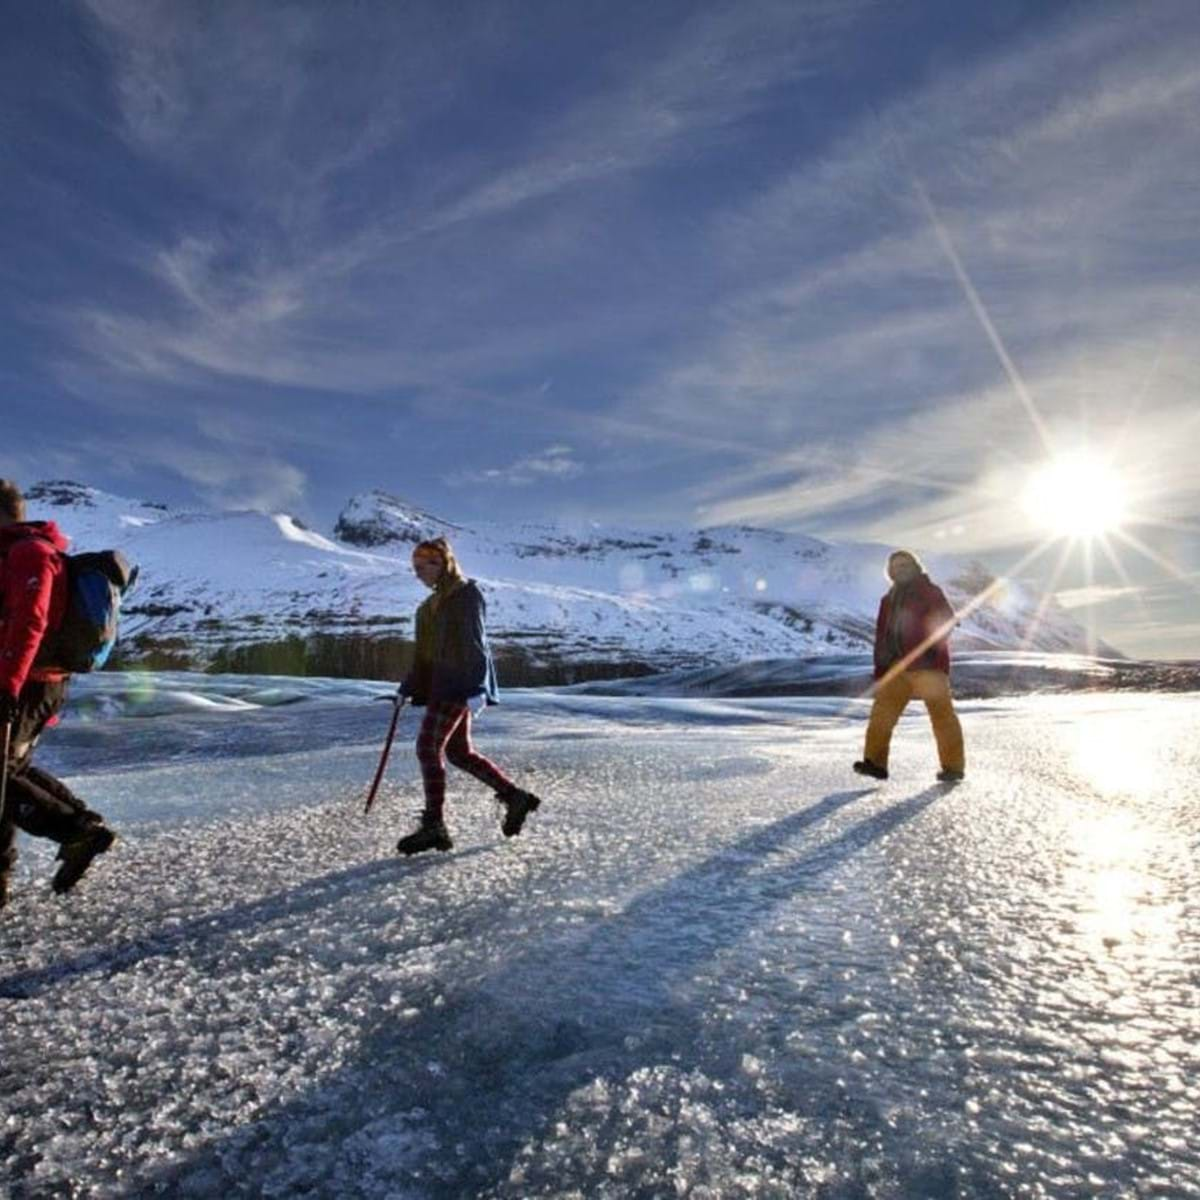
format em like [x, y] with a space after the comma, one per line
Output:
[77, 855]
[865, 766]
[518, 804]
[430, 834]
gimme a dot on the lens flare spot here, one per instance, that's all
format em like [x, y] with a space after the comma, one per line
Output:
[632, 577]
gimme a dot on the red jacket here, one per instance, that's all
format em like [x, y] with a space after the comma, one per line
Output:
[33, 597]
[924, 612]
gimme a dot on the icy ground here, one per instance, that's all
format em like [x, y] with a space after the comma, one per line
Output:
[716, 964]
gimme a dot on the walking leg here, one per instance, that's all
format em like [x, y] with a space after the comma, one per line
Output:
[463, 755]
[934, 689]
[45, 807]
[439, 723]
[431, 834]
[891, 696]
[518, 803]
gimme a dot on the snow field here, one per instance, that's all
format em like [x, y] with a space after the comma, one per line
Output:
[560, 592]
[717, 964]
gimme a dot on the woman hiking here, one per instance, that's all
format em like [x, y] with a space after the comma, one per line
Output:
[452, 667]
[912, 658]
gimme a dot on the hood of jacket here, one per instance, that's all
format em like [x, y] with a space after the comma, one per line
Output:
[17, 531]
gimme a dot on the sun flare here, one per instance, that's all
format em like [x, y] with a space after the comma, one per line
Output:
[1078, 496]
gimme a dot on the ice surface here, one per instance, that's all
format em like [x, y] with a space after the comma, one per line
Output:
[715, 965]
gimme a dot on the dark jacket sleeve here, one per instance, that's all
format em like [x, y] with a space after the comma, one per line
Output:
[943, 611]
[937, 622]
[937, 617]
[31, 568]
[881, 625]
[415, 684]
[461, 664]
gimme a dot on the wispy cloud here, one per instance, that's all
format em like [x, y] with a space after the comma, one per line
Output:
[218, 470]
[245, 98]
[1089, 597]
[659, 99]
[851, 337]
[704, 222]
[1163, 639]
[552, 463]
[262, 485]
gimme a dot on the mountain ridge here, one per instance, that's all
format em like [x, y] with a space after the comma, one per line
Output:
[566, 600]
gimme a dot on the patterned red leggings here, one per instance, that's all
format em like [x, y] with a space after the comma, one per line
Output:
[446, 734]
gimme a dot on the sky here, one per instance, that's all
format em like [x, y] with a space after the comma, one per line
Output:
[849, 268]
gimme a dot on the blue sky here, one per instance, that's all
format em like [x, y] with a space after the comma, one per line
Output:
[848, 268]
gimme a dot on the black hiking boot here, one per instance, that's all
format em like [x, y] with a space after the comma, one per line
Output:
[865, 766]
[518, 804]
[431, 834]
[946, 775]
[77, 856]
[5, 890]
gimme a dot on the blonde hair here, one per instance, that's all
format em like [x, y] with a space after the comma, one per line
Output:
[440, 548]
[12, 503]
[895, 554]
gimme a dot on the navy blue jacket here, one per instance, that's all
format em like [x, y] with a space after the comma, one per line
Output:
[459, 667]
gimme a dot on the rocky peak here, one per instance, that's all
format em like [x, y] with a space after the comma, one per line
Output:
[378, 518]
[62, 493]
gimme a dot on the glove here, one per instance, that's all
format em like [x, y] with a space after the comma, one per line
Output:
[8, 708]
[400, 699]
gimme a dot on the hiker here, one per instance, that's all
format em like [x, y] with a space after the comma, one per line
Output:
[912, 659]
[452, 668]
[33, 600]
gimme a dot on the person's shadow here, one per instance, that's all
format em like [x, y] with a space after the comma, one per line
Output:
[212, 933]
[490, 1068]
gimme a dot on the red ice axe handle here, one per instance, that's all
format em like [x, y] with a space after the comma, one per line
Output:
[387, 749]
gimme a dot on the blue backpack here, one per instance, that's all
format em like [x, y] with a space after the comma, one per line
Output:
[96, 582]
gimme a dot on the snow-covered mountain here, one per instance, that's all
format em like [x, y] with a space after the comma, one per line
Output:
[565, 600]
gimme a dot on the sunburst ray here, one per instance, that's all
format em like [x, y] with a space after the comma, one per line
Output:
[1118, 566]
[1031, 630]
[1153, 555]
[982, 315]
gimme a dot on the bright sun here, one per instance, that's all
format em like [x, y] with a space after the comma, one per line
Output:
[1077, 496]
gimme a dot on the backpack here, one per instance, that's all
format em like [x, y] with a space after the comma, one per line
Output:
[96, 582]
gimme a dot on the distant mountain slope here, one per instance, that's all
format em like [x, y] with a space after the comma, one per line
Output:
[564, 599]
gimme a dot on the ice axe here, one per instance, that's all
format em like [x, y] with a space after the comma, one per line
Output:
[398, 702]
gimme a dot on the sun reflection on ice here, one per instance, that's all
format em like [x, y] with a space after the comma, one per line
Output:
[1122, 902]
[1121, 895]
[1117, 755]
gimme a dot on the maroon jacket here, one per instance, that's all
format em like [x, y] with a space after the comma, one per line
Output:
[33, 597]
[923, 610]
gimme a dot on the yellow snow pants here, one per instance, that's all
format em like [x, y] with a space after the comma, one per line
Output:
[891, 697]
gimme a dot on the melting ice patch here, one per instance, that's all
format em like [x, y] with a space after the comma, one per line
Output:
[163, 693]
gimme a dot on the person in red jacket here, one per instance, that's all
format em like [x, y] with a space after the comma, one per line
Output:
[912, 659]
[33, 599]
